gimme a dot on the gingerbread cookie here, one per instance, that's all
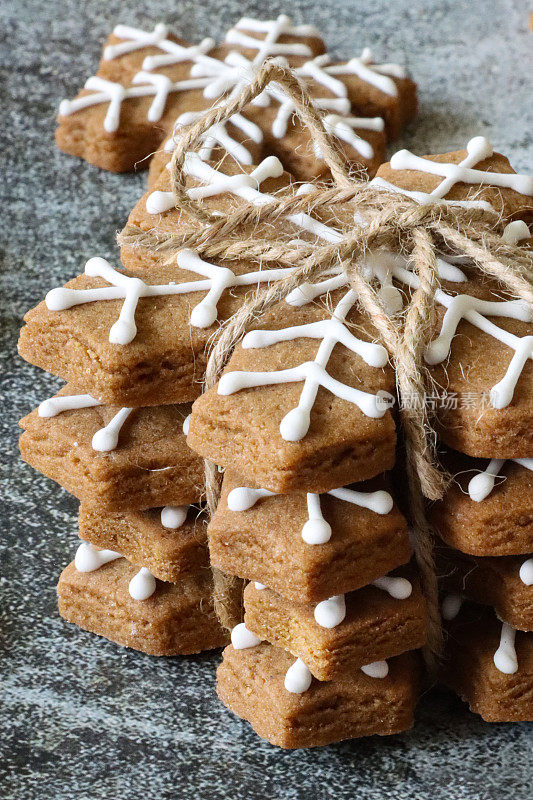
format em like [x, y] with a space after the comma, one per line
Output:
[331, 543]
[503, 582]
[255, 684]
[110, 458]
[103, 593]
[150, 83]
[170, 541]
[490, 665]
[487, 509]
[341, 633]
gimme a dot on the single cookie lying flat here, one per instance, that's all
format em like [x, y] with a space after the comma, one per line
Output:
[265, 541]
[251, 684]
[376, 626]
[177, 619]
[292, 414]
[171, 541]
[477, 643]
[483, 521]
[113, 459]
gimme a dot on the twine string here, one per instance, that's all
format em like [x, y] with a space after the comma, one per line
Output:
[384, 220]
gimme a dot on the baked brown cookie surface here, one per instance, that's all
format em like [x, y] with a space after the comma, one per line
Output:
[171, 541]
[176, 619]
[251, 684]
[490, 666]
[376, 626]
[113, 459]
[270, 541]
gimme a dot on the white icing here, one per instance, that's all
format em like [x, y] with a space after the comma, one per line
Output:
[377, 75]
[203, 315]
[136, 39]
[482, 484]
[259, 586]
[451, 605]
[173, 517]
[142, 585]
[343, 128]
[242, 638]
[478, 149]
[241, 185]
[298, 678]
[377, 669]
[515, 232]
[220, 135]
[56, 405]
[473, 310]
[242, 498]
[317, 530]
[114, 94]
[526, 572]
[89, 559]
[331, 612]
[186, 424]
[295, 424]
[399, 588]
[273, 30]
[106, 438]
[505, 659]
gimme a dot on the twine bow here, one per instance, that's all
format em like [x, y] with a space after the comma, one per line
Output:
[389, 221]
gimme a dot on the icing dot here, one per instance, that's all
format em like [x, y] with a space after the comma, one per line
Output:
[241, 499]
[122, 332]
[515, 232]
[399, 588]
[298, 678]
[158, 202]
[104, 440]
[142, 585]
[173, 516]
[377, 669]
[480, 147]
[47, 408]
[331, 612]
[242, 638]
[186, 424]
[295, 424]
[89, 559]
[526, 572]
[451, 605]
[60, 299]
[259, 586]
[316, 531]
[480, 486]
[204, 315]
[505, 659]
[392, 299]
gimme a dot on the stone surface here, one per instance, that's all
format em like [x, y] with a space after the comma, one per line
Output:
[82, 717]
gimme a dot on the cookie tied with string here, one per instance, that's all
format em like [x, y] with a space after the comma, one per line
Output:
[152, 83]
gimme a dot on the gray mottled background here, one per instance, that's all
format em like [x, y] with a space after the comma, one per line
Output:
[86, 719]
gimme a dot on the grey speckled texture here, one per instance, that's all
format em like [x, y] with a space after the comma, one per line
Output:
[81, 717]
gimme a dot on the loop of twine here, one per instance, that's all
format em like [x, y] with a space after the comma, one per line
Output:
[392, 221]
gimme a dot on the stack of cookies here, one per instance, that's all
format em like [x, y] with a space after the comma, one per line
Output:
[299, 411]
[141, 576]
[151, 83]
[486, 519]
[302, 420]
